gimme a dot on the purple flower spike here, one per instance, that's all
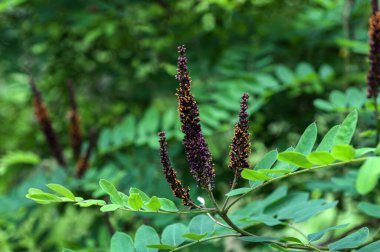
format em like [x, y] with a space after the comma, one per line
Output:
[170, 174]
[373, 77]
[240, 147]
[197, 152]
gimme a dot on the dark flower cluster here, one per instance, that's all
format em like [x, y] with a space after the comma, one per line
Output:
[197, 152]
[373, 77]
[45, 124]
[196, 149]
[75, 131]
[240, 147]
[170, 174]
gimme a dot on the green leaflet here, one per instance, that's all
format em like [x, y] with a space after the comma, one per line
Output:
[328, 140]
[194, 236]
[173, 234]
[370, 209]
[201, 224]
[111, 190]
[343, 152]
[368, 175]
[318, 235]
[372, 247]
[146, 235]
[110, 208]
[346, 129]
[135, 201]
[153, 204]
[254, 175]
[294, 158]
[121, 242]
[320, 158]
[307, 140]
[62, 191]
[350, 241]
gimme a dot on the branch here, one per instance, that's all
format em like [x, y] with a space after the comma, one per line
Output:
[295, 173]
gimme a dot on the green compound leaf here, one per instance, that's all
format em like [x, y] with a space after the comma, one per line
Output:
[153, 204]
[318, 235]
[328, 140]
[368, 175]
[254, 175]
[343, 152]
[307, 140]
[135, 201]
[173, 234]
[121, 242]
[294, 158]
[146, 235]
[370, 209]
[351, 241]
[110, 189]
[60, 189]
[347, 129]
[194, 236]
[320, 158]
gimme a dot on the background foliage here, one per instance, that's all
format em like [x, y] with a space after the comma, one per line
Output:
[301, 61]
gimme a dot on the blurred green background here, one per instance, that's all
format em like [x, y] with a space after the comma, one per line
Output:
[300, 61]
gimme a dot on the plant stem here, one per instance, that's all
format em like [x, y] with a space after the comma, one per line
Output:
[206, 239]
[292, 174]
[377, 118]
[234, 182]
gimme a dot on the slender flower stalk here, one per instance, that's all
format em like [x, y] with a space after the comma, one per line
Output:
[240, 147]
[45, 124]
[75, 131]
[84, 161]
[196, 148]
[373, 77]
[171, 177]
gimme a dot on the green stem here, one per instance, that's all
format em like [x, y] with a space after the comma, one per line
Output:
[205, 240]
[209, 210]
[377, 119]
[234, 182]
[292, 174]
